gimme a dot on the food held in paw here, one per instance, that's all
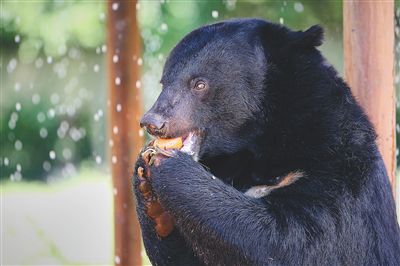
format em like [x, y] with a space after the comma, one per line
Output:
[175, 143]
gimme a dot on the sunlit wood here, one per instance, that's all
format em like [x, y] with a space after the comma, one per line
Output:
[124, 109]
[369, 68]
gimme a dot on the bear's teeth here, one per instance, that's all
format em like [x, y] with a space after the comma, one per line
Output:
[191, 145]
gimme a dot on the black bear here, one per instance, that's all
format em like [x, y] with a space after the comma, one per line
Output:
[279, 164]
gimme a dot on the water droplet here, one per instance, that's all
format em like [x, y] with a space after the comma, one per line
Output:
[138, 84]
[18, 106]
[11, 124]
[281, 20]
[98, 159]
[115, 130]
[64, 125]
[14, 116]
[214, 14]
[68, 170]
[102, 16]
[36, 98]
[51, 113]
[116, 259]
[49, 60]
[137, 6]
[230, 4]
[43, 132]
[13, 120]
[164, 27]
[115, 58]
[16, 176]
[18, 145]
[115, 6]
[19, 167]
[114, 159]
[17, 86]
[52, 155]
[141, 132]
[96, 68]
[12, 64]
[67, 154]
[117, 81]
[46, 166]
[140, 61]
[98, 115]
[75, 134]
[298, 7]
[119, 107]
[104, 48]
[41, 117]
[55, 98]
[111, 143]
[6, 161]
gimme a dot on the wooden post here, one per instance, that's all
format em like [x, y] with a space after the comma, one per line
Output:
[124, 109]
[369, 68]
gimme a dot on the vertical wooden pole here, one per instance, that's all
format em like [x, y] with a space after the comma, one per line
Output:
[369, 68]
[123, 49]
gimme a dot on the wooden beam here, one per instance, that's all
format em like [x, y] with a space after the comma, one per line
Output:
[369, 68]
[124, 110]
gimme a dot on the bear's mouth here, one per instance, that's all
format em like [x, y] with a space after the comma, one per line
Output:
[191, 143]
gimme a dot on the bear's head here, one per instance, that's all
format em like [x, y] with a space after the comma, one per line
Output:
[216, 84]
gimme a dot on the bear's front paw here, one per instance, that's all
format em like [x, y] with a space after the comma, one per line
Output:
[152, 157]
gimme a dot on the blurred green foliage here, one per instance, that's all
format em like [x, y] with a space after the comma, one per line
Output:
[163, 24]
[53, 87]
[35, 142]
[51, 26]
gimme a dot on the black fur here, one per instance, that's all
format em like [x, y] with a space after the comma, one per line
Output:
[273, 106]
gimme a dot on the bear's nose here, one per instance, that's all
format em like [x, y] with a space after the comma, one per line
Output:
[153, 123]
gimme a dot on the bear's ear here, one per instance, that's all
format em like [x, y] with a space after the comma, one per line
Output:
[310, 38]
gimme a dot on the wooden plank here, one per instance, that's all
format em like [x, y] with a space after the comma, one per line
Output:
[124, 110]
[369, 68]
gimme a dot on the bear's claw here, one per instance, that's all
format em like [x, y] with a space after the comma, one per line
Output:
[164, 222]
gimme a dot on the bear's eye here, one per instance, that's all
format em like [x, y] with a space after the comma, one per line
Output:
[200, 85]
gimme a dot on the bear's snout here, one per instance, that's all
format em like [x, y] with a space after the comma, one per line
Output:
[153, 123]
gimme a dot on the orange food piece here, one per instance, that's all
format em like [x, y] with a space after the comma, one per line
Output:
[175, 143]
